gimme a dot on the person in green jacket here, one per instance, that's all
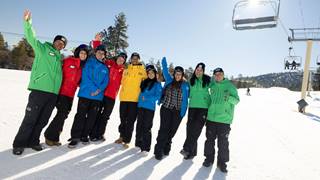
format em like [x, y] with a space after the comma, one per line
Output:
[224, 97]
[199, 100]
[44, 84]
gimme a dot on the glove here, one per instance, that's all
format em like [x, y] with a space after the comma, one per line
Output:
[164, 62]
[95, 93]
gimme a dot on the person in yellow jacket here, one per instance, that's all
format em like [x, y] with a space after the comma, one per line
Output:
[129, 94]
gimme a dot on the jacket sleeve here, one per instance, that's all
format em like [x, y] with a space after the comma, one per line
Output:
[95, 44]
[185, 95]
[234, 97]
[124, 76]
[165, 70]
[65, 64]
[159, 92]
[102, 86]
[143, 71]
[31, 37]
[109, 62]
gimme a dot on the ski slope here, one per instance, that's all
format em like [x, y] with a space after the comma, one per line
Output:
[269, 140]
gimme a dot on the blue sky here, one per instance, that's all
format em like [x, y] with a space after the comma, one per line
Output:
[185, 31]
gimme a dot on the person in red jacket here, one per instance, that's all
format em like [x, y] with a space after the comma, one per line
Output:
[72, 70]
[116, 68]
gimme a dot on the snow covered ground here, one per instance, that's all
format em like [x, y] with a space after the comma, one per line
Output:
[269, 140]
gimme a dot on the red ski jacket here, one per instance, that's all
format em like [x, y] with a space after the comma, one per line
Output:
[115, 76]
[71, 76]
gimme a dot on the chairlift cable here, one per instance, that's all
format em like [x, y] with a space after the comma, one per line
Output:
[74, 41]
[302, 17]
[283, 26]
[40, 37]
[279, 19]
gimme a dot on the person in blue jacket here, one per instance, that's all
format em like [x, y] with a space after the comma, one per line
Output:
[94, 80]
[151, 91]
[174, 101]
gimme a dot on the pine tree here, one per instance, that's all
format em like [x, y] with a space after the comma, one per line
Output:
[316, 80]
[158, 67]
[108, 38]
[188, 73]
[171, 68]
[2, 42]
[22, 55]
[115, 37]
[151, 61]
[4, 53]
[29, 49]
[121, 32]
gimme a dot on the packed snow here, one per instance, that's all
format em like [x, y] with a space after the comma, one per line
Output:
[269, 140]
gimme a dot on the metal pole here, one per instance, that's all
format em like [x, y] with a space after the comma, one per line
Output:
[306, 70]
[309, 87]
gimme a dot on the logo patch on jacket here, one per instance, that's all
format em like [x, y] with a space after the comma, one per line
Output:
[51, 53]
[72, 66]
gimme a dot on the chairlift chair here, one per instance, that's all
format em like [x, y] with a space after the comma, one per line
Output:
[291, 60]
[248, 22]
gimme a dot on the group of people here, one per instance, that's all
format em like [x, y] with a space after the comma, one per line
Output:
[288, 64]
[53, 83]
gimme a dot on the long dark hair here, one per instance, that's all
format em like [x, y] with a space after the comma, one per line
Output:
[148, 83]
[205, 80]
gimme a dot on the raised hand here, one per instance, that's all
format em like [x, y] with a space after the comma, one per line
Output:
[98, 37]
[27, 15]
[164, 62]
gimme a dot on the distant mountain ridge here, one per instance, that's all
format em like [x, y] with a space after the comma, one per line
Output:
[290, 80]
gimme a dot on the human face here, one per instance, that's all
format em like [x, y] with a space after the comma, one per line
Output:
[134, 60]
[83, 55]
[199, 72]
[100, 55]
[151, 74]
[178, 76]
[58, 45]
[120, 60]
[218, 76]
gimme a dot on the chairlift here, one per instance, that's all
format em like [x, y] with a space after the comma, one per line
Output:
[292, 62]
[242, 19]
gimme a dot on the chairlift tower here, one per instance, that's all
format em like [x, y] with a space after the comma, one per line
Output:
[305, 35]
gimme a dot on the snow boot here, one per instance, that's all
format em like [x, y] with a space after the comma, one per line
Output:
[52, 143]
[37, 147]
[184, 153]
[73, 144]
[125, 145]
[95, 139]
[144, 153]
[119, 141]
[207, 163]
[158, 156]
[84, 140]
[222, 167]
[17, 150]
